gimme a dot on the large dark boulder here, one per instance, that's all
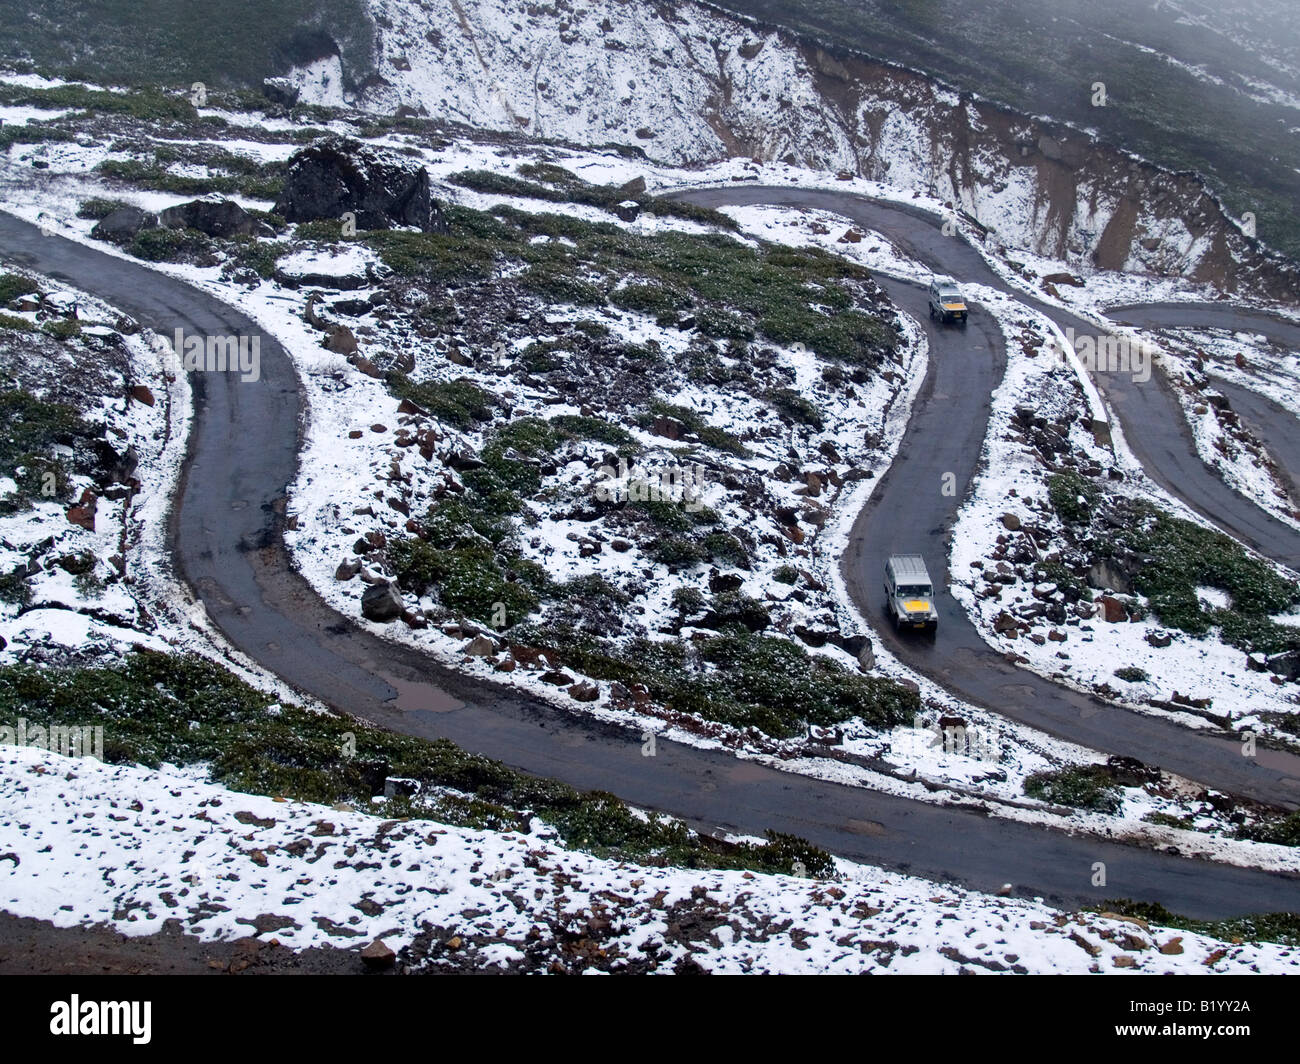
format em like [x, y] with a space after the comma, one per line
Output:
[337, 175]
[123, 224]
[213, 215]
[381, 602]
[281, 91]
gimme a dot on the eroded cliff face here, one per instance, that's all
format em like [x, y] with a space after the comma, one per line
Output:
[690, 85]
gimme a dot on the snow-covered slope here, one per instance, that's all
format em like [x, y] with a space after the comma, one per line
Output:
[134, 848]
[689, 84]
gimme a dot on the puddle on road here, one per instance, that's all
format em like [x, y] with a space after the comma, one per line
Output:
[747, 772]
[417, 696]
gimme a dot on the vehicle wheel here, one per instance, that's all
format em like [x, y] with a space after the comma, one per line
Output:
[932, 313]
[962, 322]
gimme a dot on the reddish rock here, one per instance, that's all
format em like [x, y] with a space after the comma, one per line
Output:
[141, 394]
[83, 514]
[668, 427]
[1111, 610]
[341, 341]
[378, 955]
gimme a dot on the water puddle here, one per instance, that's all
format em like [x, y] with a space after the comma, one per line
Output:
[417, 696]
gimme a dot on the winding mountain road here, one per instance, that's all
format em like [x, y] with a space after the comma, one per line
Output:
[226, 539]
[909, 511]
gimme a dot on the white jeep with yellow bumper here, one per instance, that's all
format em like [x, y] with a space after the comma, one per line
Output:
[909, 593]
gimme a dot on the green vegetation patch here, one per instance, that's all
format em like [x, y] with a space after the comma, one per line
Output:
[738, 678]
[157, 709]
[1283, 928]
[1082, 787]
[30, 428]
[1178, 557]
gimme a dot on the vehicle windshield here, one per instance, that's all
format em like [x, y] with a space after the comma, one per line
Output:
[915, 590]
[951, 294]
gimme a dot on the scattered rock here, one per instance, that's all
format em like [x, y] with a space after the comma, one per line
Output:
[338, 175]
[214, 215]
[378, 955]
[479, 647]
[668, 427]
[1105, 575]
[341, 340]
[1111, 610]
[381, 602]
[280, 91]
[123, 224]
[83, 514]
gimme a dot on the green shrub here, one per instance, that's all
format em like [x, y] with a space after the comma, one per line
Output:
[13, 285]
[722, 324]
[726, 549]
[169, 245]
[560, 286]
[794, 406]
[460, 402]
[62, 328]
[467, 580]
[710, 435]
[735, 608]
[675, 550]
[650, 299]
[260, 256]
[594, 428]
[1265, 927]
[97, 207]
[1282, 829]
[1082, 787]
[15, 590]
[1072, 496]
[438, 258]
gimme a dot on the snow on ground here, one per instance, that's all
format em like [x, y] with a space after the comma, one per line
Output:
[133, 848]
[1082, 652]
[343, 401]
[331, 460]
[72, 606]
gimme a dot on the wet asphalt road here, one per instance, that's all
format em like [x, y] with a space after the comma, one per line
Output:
[909, 512]
[1273, 424]
[226, 543]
